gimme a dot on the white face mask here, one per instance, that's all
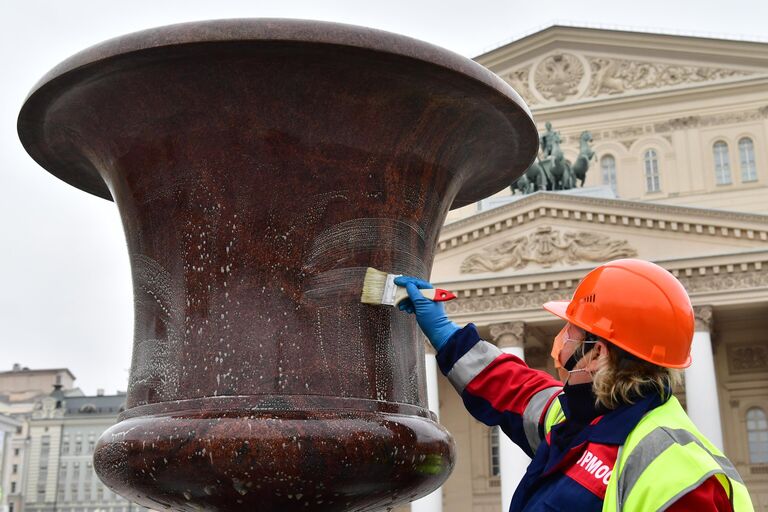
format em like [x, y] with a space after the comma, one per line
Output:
[568, 334]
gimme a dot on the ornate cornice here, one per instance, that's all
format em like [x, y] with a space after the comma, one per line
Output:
[546, 246]
[705, 281]
[634, 214]
[629, 134]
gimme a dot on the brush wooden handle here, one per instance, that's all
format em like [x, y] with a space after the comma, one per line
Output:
[433, 294]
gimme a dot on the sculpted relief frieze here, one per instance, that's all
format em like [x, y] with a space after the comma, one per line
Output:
[615, 76]
[547, 247]
[518, 79]
[564, 76]
[750, 358]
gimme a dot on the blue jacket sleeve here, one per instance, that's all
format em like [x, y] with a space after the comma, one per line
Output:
[498, 388]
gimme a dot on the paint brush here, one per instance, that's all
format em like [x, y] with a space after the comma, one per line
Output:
[380, 288]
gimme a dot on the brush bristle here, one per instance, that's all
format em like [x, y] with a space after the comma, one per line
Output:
[373, 286]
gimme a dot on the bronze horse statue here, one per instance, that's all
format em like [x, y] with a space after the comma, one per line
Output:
[553, 171]
[581, 165]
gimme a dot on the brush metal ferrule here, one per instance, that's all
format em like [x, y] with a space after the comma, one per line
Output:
[390, 290]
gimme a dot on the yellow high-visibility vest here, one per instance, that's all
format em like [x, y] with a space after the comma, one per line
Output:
[663, 458]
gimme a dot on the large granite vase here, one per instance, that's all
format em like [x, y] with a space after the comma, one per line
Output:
[259, 167]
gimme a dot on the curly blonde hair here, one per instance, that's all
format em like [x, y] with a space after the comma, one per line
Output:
[625, 379]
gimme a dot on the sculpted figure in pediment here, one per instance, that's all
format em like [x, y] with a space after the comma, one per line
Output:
[547, 247]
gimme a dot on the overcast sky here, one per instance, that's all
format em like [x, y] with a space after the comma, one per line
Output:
[65, 296]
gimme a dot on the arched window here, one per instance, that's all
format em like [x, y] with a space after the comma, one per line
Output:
[747, 159]
[608, 166]
[757, 436]
[493, 450]
[652, 181]
[722, 163]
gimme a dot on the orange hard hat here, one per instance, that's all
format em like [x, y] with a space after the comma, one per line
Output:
[636, 305]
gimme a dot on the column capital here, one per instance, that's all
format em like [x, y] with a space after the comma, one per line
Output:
[508, 334]
[703, 318]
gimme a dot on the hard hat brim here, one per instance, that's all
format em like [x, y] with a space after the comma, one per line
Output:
[557, 308]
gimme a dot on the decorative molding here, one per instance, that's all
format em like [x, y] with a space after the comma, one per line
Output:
[519, 80]
[627, 143]
[751, 358]
[507, 302]
[530, 296]
[682, 123]
[720, 278]
[703, 318]
[617, 76]
[508, 334]
[643, 215]
[547, 246]
[558, 76]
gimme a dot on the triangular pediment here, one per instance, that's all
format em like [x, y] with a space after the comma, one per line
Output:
[550, 232]
[538, 247]
[569, 65]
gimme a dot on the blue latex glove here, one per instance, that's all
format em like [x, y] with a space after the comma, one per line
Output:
[430, 315]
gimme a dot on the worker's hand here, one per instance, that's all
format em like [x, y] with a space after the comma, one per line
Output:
[430, 315]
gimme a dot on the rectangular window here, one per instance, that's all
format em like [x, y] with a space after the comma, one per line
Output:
[722, 163]
[45, 447]
[494, 452]
[15, 469]
[608, 166]
[10, 507]
[652, 179]
[15, 452]
[78, 447]
[13, 487]
[747, 159]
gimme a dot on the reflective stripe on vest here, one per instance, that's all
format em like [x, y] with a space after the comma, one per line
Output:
[664, 458]
[532, 415]
[554, 416]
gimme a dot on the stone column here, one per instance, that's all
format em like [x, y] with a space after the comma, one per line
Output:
[432, 502]
[513, 461]
[701, 394]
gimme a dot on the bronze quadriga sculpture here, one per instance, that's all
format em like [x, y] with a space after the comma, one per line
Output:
[260, 166]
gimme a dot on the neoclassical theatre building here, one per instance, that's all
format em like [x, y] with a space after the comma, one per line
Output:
[679, 127]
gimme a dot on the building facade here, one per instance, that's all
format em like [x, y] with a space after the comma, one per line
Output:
[679, 126]
[21, 390]
[62, 437]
